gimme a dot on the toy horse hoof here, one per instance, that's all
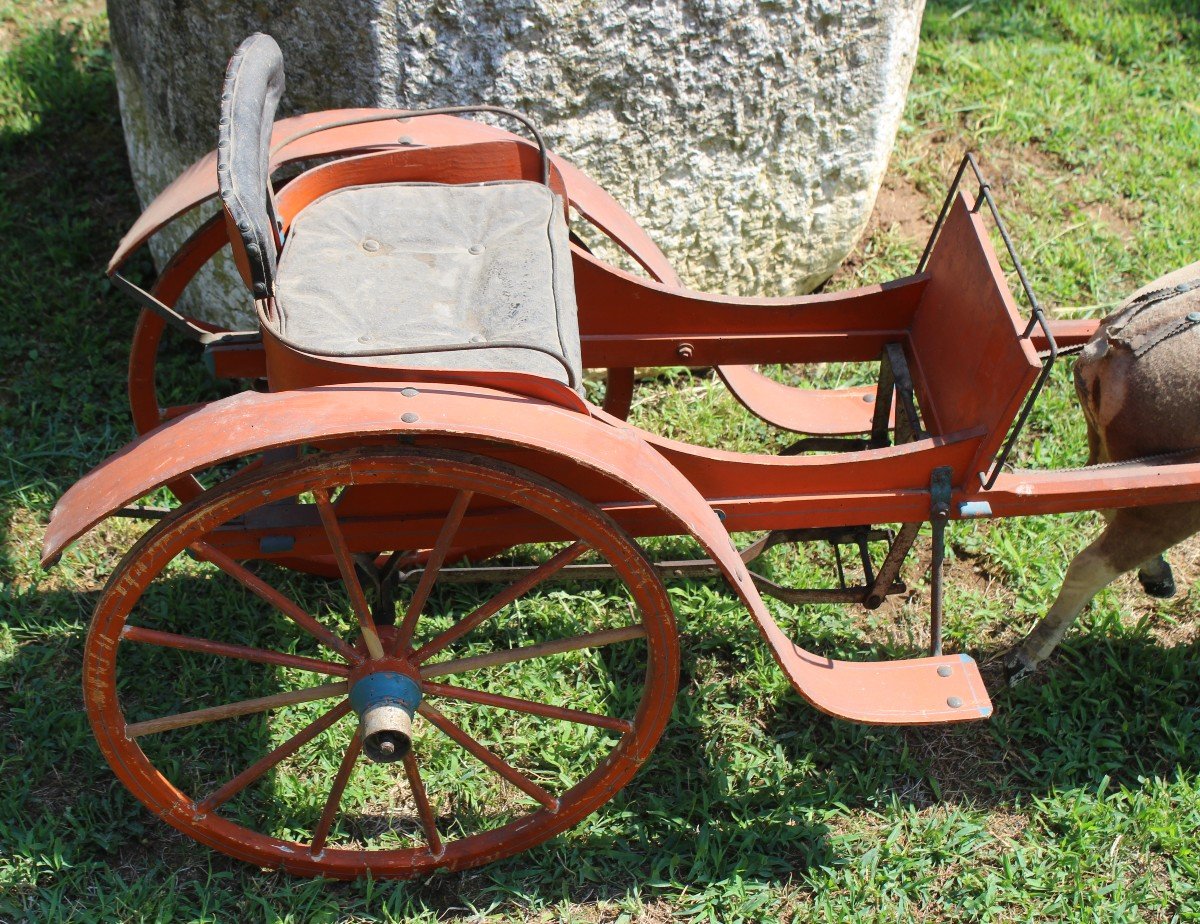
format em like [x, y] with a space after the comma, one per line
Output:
[1163, 589]
[1017, 668]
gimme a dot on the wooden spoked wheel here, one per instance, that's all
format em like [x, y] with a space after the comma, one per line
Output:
[230, 700]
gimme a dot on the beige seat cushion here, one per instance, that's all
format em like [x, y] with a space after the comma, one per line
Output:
[441, 277]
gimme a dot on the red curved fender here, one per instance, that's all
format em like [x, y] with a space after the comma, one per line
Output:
[896, 692]
[198, 182]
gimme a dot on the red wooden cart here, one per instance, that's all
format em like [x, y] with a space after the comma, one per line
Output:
[426, 317]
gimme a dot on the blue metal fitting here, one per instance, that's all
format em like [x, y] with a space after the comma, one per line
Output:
[385, 702]
[971, 510]
[385, 688]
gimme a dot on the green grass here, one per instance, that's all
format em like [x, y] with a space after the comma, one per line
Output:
[1080, 800]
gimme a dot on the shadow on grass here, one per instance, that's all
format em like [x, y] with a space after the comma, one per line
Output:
[715, 804]
[65, 198]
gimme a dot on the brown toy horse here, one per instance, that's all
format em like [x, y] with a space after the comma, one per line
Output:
[1138, 382]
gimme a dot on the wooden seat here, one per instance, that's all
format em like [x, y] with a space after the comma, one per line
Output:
[462, 278]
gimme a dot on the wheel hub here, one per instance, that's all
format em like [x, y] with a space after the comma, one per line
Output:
[385, 701]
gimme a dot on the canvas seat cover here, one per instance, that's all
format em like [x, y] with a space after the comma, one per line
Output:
[448, 268]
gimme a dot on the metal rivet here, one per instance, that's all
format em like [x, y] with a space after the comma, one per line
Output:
[410, 417]
[1193, 316]
[224, 121]
[477, 338]
[409, 392]
[405, 139]
[260, 288]
[954, 702]
[868, 399]
[476, 249]
[244, 226]
[944, 670]
[1183, 287]
[365, 338]
[370, 245]
[252, 248]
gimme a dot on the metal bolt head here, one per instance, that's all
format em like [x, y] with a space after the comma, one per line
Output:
[954, 702]
[387, 746]
[410, 417]
[944, 670]
[685, 350]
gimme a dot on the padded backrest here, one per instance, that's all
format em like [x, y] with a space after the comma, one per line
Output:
[972, 366]
[253, 85]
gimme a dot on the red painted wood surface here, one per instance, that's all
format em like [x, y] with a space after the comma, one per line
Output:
[970, 366]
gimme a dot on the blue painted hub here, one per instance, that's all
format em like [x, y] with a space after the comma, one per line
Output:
[385, 688]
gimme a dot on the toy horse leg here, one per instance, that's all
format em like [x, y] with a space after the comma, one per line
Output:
[1133, 537]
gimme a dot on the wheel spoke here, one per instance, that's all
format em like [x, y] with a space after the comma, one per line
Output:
[482, 754]
[558, 646]
[524, 705]
[501, 600]
[436, 557]
[262, 589]
[345, 562]
[424, 810]
[334, 801]
[230, 710]
[266, 762]
[226, 650]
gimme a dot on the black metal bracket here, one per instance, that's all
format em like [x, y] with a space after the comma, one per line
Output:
[173, 318]
[895, 384]
[940, 492]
